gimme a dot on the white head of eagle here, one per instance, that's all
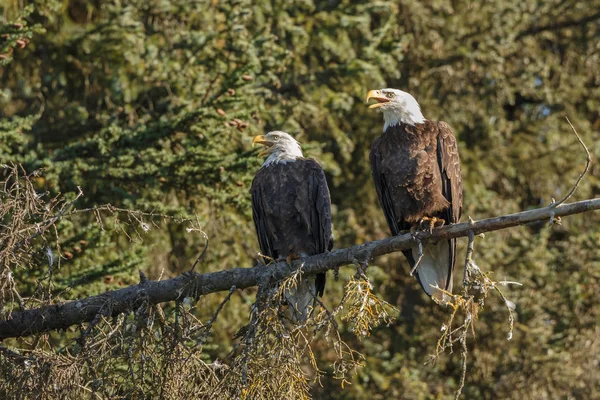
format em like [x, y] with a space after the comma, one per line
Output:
[280, 147]
[397, 106]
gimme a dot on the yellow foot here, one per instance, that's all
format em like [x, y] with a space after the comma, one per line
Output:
[266, 259]
[428, 223]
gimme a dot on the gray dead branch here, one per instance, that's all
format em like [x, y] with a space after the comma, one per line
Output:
[62, 316]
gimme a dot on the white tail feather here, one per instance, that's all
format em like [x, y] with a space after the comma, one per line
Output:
[300, 299]
[433, 268]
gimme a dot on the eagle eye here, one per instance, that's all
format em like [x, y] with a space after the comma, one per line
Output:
[390, 95]
[276, 137]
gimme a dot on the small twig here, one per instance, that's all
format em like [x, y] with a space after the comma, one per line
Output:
[420, 254]
[104, 311]
[587, 167]
[216, 314]
[361, 261]
[469, 257]
[506, 283]
[201, 256]
[136, 213]
[211, 321]
[341, 304]
[143, 277]
[463, 354]
[510, 307]
[248, 340]
[330, 315]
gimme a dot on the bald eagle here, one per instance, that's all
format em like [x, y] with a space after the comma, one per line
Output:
[291, 209]
[416, 171]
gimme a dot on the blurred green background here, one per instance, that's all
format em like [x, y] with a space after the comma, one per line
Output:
[151, 105]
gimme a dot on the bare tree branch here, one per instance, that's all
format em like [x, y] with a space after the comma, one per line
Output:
[62, 316]
[588, 161]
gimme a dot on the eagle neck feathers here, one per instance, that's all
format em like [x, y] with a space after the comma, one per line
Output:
[274, 159]
[284, 155]
[409, 116]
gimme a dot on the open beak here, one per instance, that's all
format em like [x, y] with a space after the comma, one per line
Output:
[261, 139]
[379, 97]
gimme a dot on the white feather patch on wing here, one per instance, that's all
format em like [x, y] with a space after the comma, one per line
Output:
[433, 268]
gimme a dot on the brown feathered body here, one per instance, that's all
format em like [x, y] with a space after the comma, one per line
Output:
[416, 170]
[291, 209]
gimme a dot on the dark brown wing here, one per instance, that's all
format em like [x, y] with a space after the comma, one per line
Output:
[449, 164]
[383, 192]
[260, 217]
[320, 216]
[385, 198]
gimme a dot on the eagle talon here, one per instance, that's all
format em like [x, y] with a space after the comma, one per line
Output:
[432, 222]
[263, 258]
[291, 257]
[414, 231]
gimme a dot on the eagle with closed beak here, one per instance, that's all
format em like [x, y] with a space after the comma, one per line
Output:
[416, 171]
[291, 209]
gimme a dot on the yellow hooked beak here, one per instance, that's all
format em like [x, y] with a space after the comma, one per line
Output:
[377, 95]
[261, 139]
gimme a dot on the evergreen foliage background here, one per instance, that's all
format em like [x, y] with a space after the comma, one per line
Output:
[151, 105]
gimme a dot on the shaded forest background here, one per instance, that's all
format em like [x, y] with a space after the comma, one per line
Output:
[151, 105]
